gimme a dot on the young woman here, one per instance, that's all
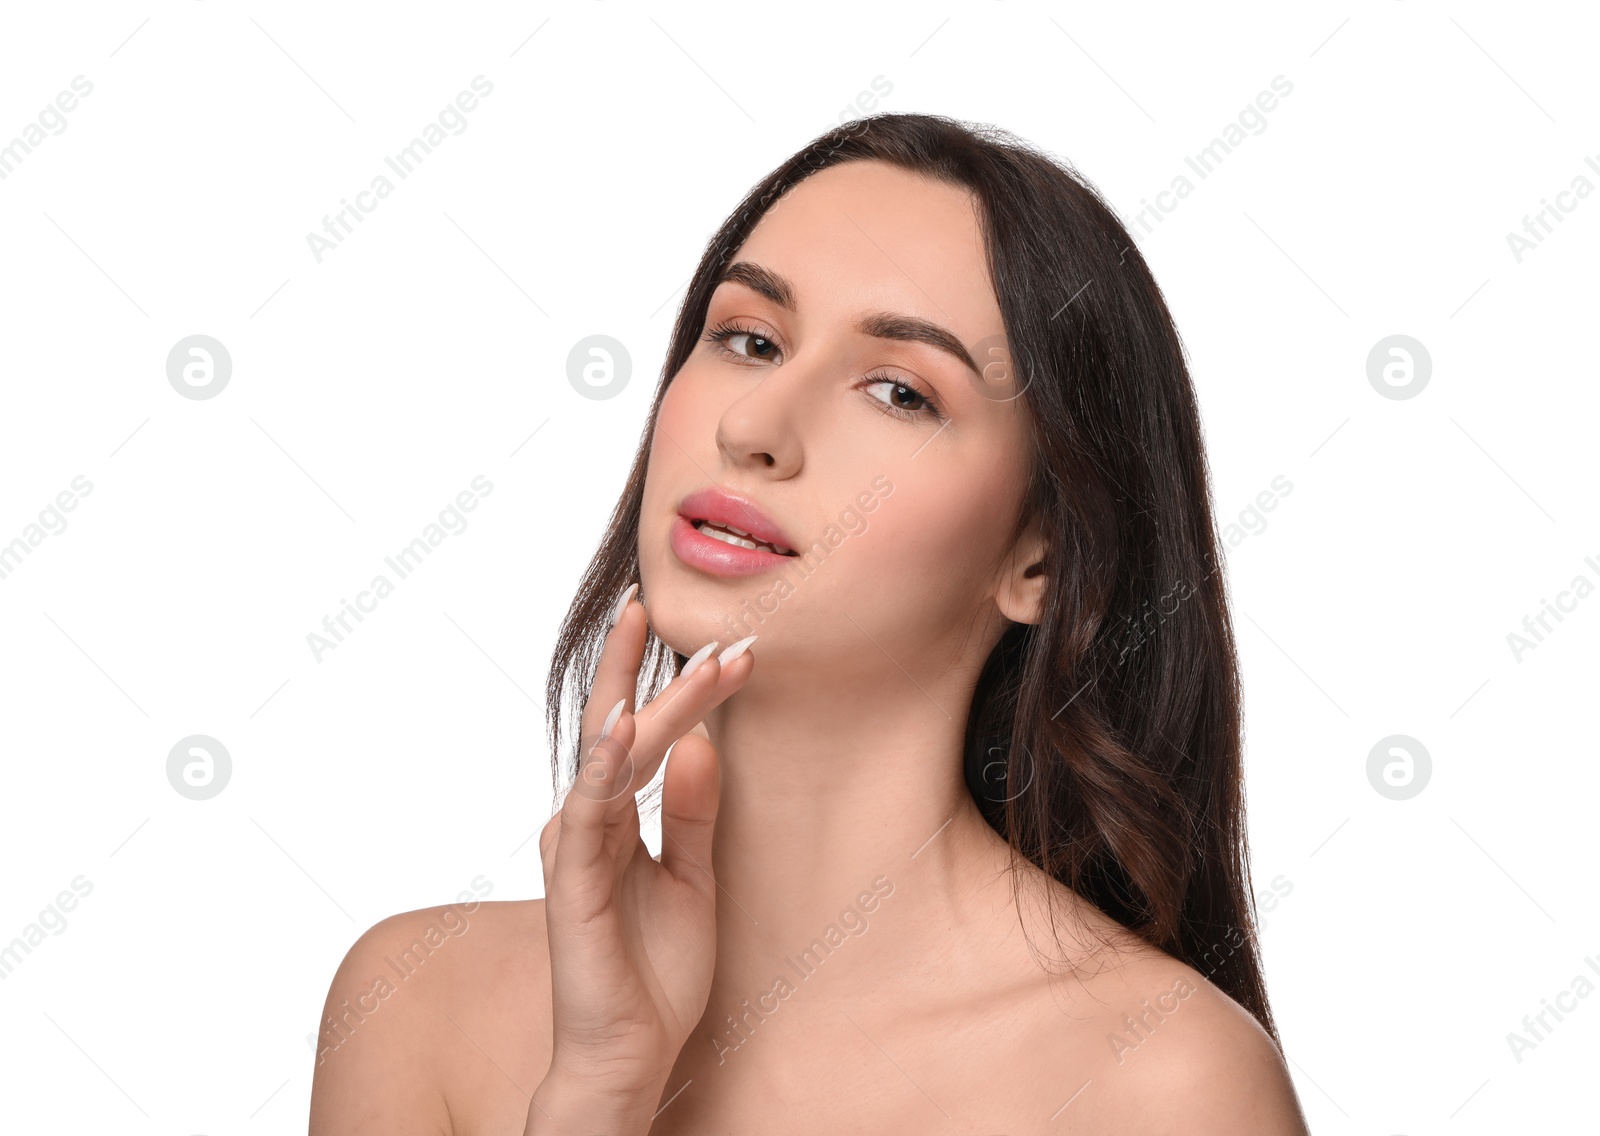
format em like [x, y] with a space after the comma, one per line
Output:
[953, 833]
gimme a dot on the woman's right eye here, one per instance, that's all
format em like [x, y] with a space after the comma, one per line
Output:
[742, 342]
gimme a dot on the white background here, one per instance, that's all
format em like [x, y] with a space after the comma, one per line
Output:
[369, 389]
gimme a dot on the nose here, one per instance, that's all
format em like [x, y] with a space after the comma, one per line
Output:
[758, 431]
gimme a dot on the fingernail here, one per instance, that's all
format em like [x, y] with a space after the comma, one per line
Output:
[611, 718]
[616, 609]
[736, 650]
[698, 657]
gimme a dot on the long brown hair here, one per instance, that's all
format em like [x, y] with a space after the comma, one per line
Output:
[1103, 742]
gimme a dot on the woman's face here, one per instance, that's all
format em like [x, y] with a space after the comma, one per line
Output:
[826, 408]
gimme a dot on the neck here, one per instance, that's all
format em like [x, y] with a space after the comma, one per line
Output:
[848, 854]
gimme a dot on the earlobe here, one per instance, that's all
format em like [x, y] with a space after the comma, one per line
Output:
[1023, 600]
[1021, 594]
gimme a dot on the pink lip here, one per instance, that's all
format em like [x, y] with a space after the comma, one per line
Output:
[716, 556]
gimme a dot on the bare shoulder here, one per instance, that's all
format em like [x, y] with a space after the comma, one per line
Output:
[1164, 1050]
[1104, 1033]
[437, 1021]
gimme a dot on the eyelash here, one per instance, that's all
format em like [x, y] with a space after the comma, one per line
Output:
[720, 335]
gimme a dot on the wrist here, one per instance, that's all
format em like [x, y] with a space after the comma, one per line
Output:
[566, 1104]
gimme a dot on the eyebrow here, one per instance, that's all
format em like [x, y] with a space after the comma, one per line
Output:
[879, 325]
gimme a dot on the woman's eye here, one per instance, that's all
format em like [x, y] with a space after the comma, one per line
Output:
[903, 399]
[729, 339]
[760, 346]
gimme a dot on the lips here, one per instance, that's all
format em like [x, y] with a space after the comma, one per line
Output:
[727, 553]
[737, 515]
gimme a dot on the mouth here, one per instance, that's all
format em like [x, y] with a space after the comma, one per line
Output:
[727, 535]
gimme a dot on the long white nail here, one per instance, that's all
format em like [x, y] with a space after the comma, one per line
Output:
[616, 609]
[698, 657]
[736, 650]
[611, 718]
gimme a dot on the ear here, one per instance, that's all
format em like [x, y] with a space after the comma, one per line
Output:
[1019, 593]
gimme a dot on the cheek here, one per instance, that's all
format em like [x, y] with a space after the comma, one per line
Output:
[679, 423]
[933, 538]
[674, 418]
[684, 389]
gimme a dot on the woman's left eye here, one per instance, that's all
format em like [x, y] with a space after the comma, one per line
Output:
[899, 393]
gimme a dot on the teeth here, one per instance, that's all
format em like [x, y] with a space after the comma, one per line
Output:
[738, 537]
[729, 538]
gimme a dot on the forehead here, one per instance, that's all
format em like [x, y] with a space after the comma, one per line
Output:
[866, 233]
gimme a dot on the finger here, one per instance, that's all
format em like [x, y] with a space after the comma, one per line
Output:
[690, 794]
[680, 707]
[617, 672]
[597, 802]
[616, 767]
[549, 840]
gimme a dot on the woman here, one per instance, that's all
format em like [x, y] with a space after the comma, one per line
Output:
[923, 525]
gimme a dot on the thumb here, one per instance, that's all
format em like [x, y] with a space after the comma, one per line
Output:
[690, 791]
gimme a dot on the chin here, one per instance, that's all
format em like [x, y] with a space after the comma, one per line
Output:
[687, 609]
[684, 609]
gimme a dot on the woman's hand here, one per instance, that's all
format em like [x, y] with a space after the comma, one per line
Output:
[632, 940]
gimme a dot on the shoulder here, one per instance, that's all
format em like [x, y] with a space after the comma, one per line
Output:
[1172, 1053]
[1107, 1033]
[432, 1014]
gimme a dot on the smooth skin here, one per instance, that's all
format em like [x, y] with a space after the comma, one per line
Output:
[827, 757]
